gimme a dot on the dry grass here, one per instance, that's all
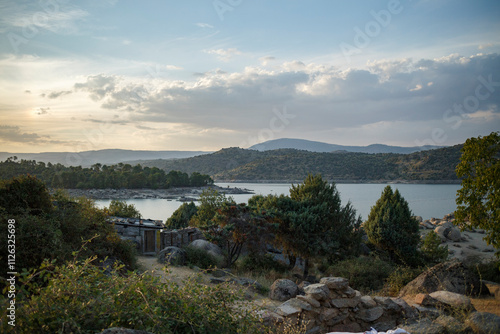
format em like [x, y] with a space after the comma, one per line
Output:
[487, 304]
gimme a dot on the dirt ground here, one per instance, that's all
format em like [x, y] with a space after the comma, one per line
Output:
[180, 274]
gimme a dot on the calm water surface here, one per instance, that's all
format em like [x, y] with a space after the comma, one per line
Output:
[426, 200]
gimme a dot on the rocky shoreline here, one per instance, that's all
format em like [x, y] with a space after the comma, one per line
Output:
[181, 194]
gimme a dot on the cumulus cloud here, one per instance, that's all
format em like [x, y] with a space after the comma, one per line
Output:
[322, 97]
[55, 95]
[224, 54]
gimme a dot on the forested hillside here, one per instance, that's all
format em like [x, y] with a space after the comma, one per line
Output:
[235, 164]
[102, 176]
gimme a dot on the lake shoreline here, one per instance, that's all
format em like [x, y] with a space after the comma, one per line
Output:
[344, 181]
[181, 193]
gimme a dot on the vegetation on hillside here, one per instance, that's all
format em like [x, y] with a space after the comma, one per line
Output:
[101, 176]
[291, 165]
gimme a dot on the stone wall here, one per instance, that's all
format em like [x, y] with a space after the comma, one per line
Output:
[181, 237]
[332, 305]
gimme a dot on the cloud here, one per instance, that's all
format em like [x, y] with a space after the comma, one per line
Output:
[15, 135]
[55, 95]
[42, 111]
[224, 54]
[485, 46]
[58, 17]
[204, 25]
[266, 60]
[322, 97]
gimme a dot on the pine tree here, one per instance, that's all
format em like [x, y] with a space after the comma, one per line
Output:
[391, 227]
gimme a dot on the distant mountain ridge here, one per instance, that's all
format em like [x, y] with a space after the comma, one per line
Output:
[290, 165]
[316, 146]
[104, 157]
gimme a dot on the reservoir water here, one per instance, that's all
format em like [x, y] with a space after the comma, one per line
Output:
[426, 200]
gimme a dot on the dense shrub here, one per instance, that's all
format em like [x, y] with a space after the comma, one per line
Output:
[365, 273]
[489, 271]
[201, 258]
[181, 217]
[55, 229]
[399, 278]
[82, 298]
[432, 250]
[261, 263]
[122, 209]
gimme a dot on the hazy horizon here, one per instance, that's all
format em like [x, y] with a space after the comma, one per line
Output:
[170, 76]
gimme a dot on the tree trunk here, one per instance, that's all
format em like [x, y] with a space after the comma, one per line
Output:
[306, 268]
[291, 260]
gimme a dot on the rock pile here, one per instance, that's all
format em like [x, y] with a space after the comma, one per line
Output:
[332, 305]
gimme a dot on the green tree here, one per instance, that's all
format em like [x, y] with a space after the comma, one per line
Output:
[432, 250]
[122, 209]
[25, 194]
[312, 222]
[181, 217]
[478, 201]
[210, 201]
[391, 227]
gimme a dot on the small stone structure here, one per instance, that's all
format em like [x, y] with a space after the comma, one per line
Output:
[144, 233]
[332, 305]
[181, 237]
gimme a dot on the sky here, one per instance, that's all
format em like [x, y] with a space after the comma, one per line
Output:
[202, 75]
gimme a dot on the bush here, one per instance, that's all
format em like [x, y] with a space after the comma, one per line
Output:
[432, 250]
[201, 258]
[365, 273]
[181, 217]
[82, 298]
[391, 227]
[399, 278]
[489, 271]
[260, 263]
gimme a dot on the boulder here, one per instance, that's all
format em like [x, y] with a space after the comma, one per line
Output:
[335, 283]
[370, 314]
[283, 289]
[452, 300]
[453, 234]
[483, 322]
[493, 288]
[450, 276]
[452, 325]
[425, 326]
[207, 246]
[293, 306]
[317, 291]
[172, 255]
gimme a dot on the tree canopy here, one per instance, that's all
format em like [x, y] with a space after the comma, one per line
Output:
[102, 176]
[391, 227]
[478, 200]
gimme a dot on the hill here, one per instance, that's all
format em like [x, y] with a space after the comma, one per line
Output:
[316, 146]
[104, 157]
[235, 164]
